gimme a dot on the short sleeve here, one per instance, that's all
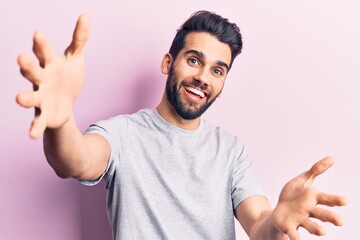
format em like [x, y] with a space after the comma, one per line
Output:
[244, 182]
[108, 129]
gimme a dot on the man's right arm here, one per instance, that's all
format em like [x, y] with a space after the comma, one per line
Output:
[74, 154]
[57, 80]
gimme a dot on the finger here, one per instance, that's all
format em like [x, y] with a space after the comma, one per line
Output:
[317, 169]
[313, 228]
[28, 99]
[42, 49]
[80, 35]
[331, 200]
[29, 68]
[293, 234]
[326, 216]
[38, 127]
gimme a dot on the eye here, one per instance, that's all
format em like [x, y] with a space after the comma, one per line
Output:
[218, 72]
[193, 61]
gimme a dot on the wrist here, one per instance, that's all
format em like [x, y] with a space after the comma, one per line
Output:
[266, 229]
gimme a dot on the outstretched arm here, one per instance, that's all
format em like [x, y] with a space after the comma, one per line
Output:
[298, 202]
[57, 80]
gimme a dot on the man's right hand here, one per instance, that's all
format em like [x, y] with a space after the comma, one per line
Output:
[56, 79]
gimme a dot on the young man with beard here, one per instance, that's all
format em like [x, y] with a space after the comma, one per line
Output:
[169, 174]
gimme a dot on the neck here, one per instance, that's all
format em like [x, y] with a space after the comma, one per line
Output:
[167, 112]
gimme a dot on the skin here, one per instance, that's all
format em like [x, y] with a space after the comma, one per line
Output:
[201, 64]
[57, 81]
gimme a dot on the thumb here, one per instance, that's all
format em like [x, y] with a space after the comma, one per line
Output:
[80, 35]
[317, 169]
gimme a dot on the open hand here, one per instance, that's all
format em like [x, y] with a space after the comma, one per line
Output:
[56, 80]
[298, 202]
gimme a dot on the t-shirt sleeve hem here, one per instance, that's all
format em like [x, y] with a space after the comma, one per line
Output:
[96, 181]
[239, 199]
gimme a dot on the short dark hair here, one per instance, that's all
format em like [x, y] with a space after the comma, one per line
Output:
[215, 25]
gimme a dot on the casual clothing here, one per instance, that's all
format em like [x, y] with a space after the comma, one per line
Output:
[165, 182]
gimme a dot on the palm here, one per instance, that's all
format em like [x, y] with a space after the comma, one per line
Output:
[59, 88]
[57, 80]
[299, 201]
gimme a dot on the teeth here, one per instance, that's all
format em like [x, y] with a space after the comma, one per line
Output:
[195, 91]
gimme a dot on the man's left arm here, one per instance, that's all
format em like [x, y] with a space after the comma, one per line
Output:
[298, 202]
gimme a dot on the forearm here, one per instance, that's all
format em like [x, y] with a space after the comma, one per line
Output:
[65, 150]
[264, 229]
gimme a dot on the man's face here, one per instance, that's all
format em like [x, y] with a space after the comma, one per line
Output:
[197, 75]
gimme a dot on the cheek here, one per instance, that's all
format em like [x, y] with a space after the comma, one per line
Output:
[185, 71]
[218, 86]
[179, 72]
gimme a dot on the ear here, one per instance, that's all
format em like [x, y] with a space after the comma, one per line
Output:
[166, 63]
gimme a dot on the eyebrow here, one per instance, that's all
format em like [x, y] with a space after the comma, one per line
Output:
[202, 55]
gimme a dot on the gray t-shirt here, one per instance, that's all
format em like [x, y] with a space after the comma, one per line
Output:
[165, 182]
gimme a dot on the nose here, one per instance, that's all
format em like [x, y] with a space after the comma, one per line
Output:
[202, 76]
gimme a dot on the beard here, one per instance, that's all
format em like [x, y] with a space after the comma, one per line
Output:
[173, 96]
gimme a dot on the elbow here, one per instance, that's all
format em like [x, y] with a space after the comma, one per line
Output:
[72, 173]
[63, 174]
[65, 171]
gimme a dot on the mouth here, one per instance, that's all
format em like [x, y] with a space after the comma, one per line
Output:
[196, 93]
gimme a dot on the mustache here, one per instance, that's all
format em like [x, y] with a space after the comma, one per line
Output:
[196, 84]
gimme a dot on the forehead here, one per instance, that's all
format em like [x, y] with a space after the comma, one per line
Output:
[210, 46]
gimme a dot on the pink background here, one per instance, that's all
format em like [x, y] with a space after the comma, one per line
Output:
[292, 97]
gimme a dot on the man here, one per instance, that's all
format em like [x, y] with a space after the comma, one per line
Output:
[169, 173]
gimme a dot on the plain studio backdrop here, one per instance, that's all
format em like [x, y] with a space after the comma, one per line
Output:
[292, 98]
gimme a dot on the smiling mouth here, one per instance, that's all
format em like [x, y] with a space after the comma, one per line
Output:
[195, 91]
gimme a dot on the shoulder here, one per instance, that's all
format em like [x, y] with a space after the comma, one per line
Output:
[141, 115]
